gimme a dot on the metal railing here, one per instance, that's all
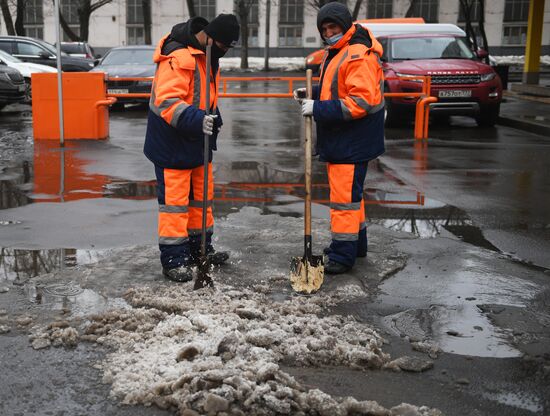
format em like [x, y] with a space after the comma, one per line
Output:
[423, 97]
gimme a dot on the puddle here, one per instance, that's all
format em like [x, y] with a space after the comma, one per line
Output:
[71, 297]
[18, 265]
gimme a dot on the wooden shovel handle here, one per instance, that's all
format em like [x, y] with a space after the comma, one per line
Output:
[307, 148]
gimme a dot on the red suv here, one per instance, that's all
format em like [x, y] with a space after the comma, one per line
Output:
[461, 82]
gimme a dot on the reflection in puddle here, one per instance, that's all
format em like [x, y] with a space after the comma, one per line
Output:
[458, 329]
[19, 265]
[70, 297]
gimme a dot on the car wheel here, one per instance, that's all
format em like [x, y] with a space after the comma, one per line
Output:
[117, 107]
[28, 91]
[392, 116]
[487, 117]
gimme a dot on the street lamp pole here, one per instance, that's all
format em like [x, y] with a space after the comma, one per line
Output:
[59, 75]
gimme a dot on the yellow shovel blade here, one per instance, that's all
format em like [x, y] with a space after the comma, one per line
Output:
[307, 276]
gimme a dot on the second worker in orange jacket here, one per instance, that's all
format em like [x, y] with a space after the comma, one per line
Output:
[348, 108]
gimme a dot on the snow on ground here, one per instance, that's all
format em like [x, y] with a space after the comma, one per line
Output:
[516, 60]
[257, 64]
[298, 63]
[217, 352]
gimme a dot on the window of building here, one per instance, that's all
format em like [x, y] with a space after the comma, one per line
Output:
[205, 8]
[291, 22]
[514, 31]
[379, 9]
[135, 32]
[290, 35]
[514, 35]
[69, 10]
[34, 19]
[516, 10]
[428, 9]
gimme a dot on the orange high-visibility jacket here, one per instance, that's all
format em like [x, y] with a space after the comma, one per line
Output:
[349, 100]
[174, 137]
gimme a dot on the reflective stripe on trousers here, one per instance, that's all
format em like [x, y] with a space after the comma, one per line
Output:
[179, 193]
[347, 210]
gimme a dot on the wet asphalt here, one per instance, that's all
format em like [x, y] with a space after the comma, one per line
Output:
[469, 209]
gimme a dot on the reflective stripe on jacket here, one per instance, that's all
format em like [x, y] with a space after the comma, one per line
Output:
[350, 100]
[174, 137]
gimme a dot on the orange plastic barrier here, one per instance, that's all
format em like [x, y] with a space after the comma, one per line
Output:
[85, 106]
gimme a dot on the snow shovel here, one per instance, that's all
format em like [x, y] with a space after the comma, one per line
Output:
[203, 278]
[307, 272]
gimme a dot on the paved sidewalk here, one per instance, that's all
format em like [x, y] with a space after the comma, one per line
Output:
[525, 112]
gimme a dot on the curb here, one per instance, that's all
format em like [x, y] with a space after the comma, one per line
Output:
[524, 125]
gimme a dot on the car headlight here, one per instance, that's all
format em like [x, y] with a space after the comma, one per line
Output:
[487, 77]
[400, 74]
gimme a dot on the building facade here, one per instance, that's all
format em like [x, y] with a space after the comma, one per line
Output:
[293, 30]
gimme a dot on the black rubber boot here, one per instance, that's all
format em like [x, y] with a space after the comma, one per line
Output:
[328, 250]
[179, 274]
[333, 267]
[215, 258]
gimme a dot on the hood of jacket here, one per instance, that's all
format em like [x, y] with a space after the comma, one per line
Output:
[181, 36]
[358, 34]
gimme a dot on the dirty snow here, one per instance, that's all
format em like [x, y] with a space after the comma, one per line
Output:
[257, 64]
[217, 351]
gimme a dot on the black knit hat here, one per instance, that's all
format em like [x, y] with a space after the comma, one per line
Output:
[225, 29]
[334, 12]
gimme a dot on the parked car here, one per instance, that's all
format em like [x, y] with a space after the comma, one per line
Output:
[78, 49]
[39, 52]
[128, 61]
[12, 86]
[461, 82]
[26, 69]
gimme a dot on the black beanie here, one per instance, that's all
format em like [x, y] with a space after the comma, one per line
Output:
[225, 29]
[334, 12]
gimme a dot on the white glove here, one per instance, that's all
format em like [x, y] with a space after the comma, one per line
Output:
[299, 94]
[307, 107]
[208, 124]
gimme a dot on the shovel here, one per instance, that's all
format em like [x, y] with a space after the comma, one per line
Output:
[203, 278]
[307, 272]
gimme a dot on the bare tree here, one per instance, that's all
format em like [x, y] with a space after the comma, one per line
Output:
[466, 7]
[356, 9]
[243, 8]
[7, 17]
[481, 23]
[20, 19]
[412, 9]
[84, 9]
[146, 7]
[191, 8]
[19, 5]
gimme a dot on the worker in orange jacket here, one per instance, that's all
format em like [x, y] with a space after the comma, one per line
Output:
[347, 106]
[176, 125]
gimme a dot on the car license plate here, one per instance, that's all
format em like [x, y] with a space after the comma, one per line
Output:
[117, 91]
[454, 93]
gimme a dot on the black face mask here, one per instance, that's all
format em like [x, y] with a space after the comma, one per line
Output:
[217, 52]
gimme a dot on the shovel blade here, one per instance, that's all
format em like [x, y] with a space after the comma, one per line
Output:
[306, 276]
[203, 278]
